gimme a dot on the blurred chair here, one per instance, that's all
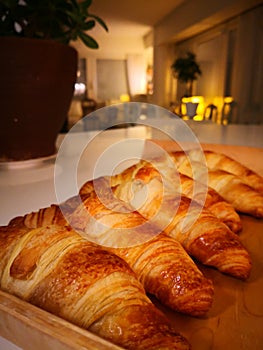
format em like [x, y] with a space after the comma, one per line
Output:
[211, 113]
[227, 110]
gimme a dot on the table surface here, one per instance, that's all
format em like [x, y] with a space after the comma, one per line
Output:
[28, 186]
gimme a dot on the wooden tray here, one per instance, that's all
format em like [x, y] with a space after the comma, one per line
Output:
[234, 322]
[32, 328]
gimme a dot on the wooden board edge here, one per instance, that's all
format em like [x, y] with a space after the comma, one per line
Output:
[30, 328]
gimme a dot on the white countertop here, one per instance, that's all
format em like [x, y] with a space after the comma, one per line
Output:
[26, 187]
[232, 134]
[31, 186]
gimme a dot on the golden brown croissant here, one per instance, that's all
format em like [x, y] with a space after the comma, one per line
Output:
[204, 195]
[43, 217]
[213, 202]
[241, 196]
[160, 262]
[202, 235]
[54, 268]
[231, 187]
[219, 161]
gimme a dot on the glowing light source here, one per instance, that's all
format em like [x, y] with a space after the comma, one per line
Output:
[124, 98]
[228, 99]
[80, 89]
[198, 117]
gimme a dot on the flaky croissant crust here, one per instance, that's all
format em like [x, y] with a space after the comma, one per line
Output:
[175, 212]
[233, 188]
[160, 262]
[56, 269]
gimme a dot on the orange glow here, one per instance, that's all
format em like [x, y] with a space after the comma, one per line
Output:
[125, 98]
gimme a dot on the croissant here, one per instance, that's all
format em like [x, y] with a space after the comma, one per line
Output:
[160, 262]
[231, 187]
[56, 269]
[202, 235]
[204, 195]
[219, 161]
[43, 217]
[241, 196]
[213, 202]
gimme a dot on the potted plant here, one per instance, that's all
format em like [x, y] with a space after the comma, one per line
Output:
[187, 70]
[38, 71]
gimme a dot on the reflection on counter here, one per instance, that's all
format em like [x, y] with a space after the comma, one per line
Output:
[153, 119]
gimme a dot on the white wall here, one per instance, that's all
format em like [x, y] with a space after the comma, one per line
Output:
[112, 48]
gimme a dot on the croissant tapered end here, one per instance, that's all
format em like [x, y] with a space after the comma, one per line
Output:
[156, 335]
[172, 276]
[221, 161]
[193, 295]
[212, 201]
[240, 195]
[225, 212]
[46, 216]
[235, 183]
[228, 255]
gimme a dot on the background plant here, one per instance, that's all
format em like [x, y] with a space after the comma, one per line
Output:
[60, 20]
[186, 70]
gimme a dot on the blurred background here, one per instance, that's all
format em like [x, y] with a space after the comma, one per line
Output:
[133, 62]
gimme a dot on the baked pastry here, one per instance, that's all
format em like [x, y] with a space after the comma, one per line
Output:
[54, 268]
[213, 202]
[181, 183]
[203, 236]
[44, 216]
[160, 262]
[241, 196]
[202, 193]
[220, 161]
[232, 188]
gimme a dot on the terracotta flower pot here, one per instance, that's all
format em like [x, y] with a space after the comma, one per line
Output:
[37, 84]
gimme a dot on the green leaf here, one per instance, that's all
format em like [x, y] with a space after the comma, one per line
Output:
[100, 21]
[61, 20]
[88, 40]
[88, 25]
[85, 4]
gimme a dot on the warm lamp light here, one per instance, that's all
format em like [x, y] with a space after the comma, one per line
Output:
[125, 98]
[228, 99]
[193, 99]
[80, 89]
[198, 117]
